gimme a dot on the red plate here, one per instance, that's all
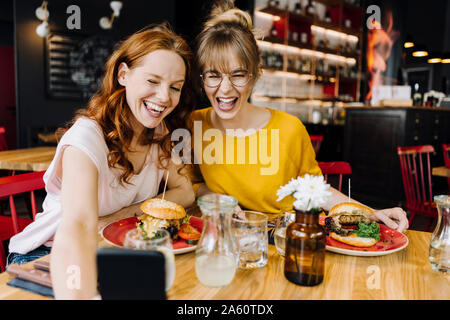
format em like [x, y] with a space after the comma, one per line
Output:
[390, 241]
[115, 232]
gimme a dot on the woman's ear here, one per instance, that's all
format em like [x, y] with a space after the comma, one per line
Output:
[122, 74]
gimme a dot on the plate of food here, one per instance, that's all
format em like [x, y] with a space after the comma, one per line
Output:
[157, 214]
[350, 231]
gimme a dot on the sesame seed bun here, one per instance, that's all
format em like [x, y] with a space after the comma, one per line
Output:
[163, 209]
[350, 208]
[354, 240]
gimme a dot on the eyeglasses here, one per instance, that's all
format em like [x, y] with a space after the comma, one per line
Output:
[213, 79]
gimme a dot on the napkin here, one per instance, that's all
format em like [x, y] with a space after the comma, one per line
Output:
[32, 287]
[36, 279]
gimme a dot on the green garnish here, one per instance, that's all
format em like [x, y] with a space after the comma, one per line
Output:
[158, 235]
[144, 233]
[186, 219]
[368, 230]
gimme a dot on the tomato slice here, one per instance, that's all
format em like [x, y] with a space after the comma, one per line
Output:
[351, 227]
[188, 232]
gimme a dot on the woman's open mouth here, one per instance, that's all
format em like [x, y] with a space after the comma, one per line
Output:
[155, 110]
[226, 104]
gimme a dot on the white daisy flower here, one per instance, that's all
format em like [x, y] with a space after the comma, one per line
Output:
[310, 192]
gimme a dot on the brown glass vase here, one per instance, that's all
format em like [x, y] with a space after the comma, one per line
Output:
[305, 249]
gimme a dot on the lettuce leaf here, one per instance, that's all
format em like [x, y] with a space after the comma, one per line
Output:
[368, 230]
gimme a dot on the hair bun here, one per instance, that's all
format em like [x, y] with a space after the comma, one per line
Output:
[224, 11]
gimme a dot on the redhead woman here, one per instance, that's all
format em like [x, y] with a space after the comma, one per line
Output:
[256, 149]
[115, 154]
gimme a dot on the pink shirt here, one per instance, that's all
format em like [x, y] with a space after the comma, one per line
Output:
[87, 136]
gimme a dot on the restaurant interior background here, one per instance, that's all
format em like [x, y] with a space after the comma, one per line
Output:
[351, 82]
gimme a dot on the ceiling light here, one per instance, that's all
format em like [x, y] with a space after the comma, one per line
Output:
[409, 43]
[434, 58]
[420, 51]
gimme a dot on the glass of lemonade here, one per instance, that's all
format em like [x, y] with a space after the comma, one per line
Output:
[215, 256]
[160, 242]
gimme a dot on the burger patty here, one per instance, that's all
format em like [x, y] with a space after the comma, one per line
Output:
[352, 219]
[335, 224]
[331, 226]
[151, 224]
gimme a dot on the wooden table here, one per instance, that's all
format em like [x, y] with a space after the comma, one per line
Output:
[403, 275]
[30, 159]
[441, 172]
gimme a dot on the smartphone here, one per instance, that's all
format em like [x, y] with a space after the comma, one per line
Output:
[128, 274]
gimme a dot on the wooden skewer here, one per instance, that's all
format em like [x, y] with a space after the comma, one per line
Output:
[349, 198]
[165, 184]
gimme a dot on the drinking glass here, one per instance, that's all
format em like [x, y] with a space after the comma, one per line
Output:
[160, 242]
[250, 232]
[279, 235]
[439, 255]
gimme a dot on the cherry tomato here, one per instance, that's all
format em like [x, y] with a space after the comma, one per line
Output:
[188, 232]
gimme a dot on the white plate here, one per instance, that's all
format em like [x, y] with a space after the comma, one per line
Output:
[176, 251]
[125, 225]
[358, 253]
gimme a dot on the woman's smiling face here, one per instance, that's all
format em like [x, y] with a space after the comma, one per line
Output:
[153, 87]
[228, 99]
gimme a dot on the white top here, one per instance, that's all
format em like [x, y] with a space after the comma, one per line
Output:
[87, 136]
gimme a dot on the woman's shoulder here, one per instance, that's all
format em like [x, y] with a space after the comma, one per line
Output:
[84, 131]
[285, 121]
[200, 114]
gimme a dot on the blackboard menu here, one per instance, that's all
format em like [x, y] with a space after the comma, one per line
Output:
[75, 65]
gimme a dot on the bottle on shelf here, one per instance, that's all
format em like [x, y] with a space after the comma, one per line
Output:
[274, 3]
[298, 8]
[293, 35]
[290, 62]
[273, 31]
[417, 96]
[298, 64]
[304, 37]
[327, 17]
[311, 8]
[319, 67]
[347, 23]
[306, 65]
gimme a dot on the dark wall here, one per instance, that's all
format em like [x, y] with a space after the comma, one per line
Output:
[7, 85]
[34, 108]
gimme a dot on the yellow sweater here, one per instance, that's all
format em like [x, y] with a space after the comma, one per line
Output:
[252, 166]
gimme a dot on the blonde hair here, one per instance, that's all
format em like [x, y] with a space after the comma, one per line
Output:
[228, 29]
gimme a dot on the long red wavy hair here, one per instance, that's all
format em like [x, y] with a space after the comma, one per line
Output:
[109, 106]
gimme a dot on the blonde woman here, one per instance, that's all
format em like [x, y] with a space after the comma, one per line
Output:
[253, 150]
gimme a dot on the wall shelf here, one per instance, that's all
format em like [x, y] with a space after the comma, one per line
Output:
[327, 54]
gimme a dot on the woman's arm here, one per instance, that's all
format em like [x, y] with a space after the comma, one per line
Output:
[203, 190]
[73, 256]
[179, 186]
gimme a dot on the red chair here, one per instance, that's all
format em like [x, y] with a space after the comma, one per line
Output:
[3, 147]
[446, 150]
[316, 142]
[9, 187]
[335, 168]
[416, 175]
[3, 144]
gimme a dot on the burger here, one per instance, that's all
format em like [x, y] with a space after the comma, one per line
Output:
[350, 223]
[160, 214]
